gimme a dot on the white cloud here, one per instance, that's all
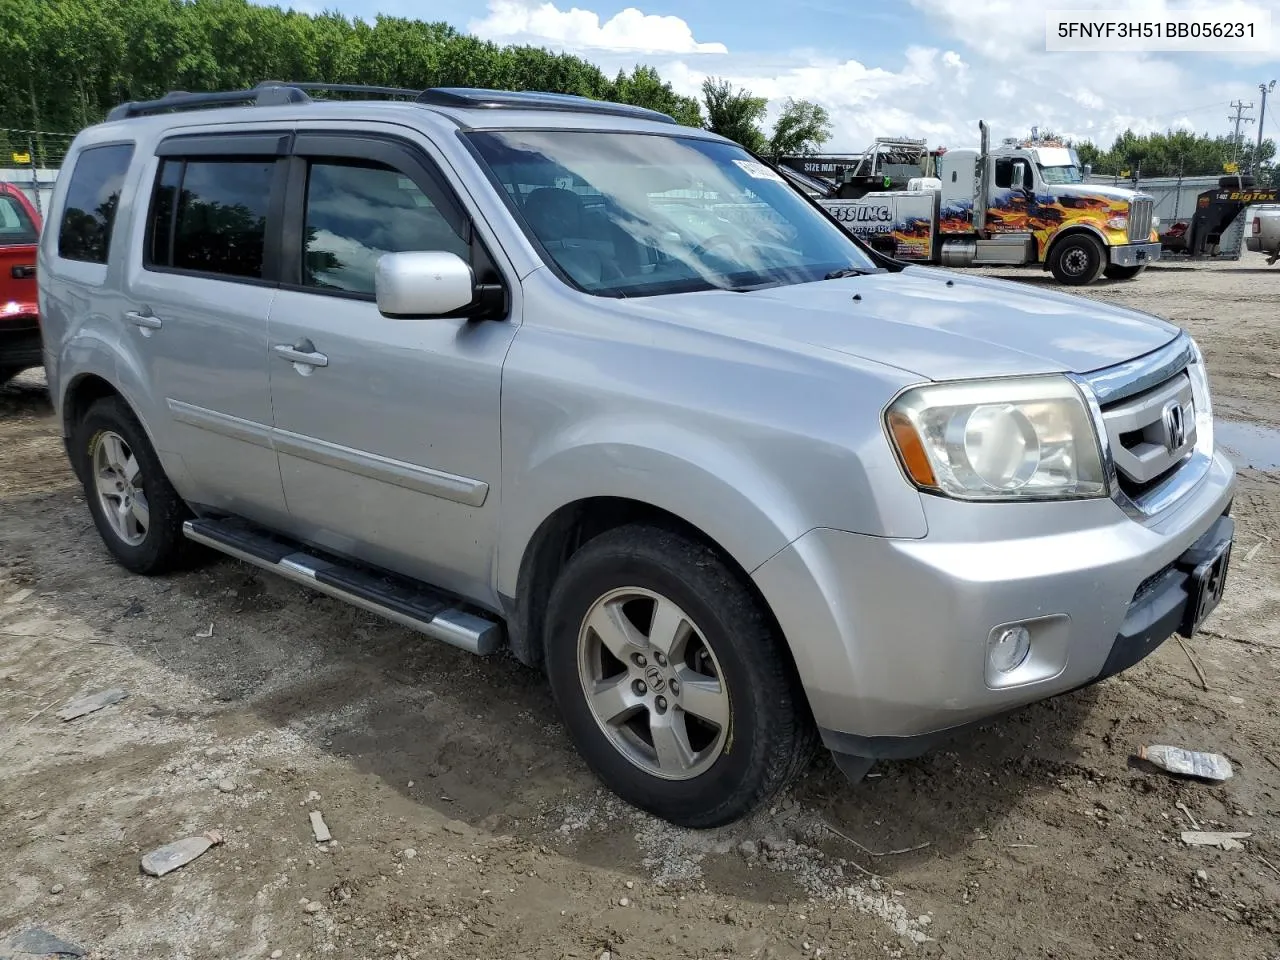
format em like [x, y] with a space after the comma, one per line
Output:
[985, 59]
[1010, 30]
[515, 21]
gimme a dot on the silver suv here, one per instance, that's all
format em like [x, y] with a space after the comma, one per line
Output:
[562, 376]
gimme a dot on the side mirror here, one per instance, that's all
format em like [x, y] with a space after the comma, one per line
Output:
[1088, 170]
[423, 283]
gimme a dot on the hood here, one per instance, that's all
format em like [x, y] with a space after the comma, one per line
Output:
[1096, 190]
[929, 322]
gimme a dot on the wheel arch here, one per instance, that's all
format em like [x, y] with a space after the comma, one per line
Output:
[100, 371]
[1075, 230]
[565, 531]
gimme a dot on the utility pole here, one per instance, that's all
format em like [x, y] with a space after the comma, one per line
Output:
[1239, 118]
[1264, 89]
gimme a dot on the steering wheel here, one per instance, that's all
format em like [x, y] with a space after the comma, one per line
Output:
[703, 250]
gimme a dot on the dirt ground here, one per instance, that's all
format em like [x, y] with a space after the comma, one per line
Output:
[465, 826]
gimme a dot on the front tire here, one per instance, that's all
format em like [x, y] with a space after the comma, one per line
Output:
[1116, 272]
[672, 680]
[1077, 260]
[136, 510]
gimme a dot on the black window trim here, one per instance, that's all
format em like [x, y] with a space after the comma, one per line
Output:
[62, 213]
[213, 148]
[401, 155]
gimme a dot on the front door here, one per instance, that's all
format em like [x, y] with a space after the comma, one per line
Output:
[197, 305]
[388, 430]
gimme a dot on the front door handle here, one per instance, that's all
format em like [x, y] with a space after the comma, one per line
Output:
[144, 320]
[303, 352]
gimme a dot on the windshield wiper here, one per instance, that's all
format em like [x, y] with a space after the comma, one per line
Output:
[846, 272]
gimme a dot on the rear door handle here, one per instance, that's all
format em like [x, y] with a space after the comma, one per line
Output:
[145, 321]
[303, 352]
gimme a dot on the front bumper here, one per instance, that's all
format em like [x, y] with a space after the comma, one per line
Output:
[1135, 254]
[890, 636]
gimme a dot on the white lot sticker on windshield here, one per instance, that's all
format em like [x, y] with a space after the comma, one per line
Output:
[758, 170]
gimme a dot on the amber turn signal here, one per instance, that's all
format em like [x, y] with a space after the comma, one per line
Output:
[911, 450]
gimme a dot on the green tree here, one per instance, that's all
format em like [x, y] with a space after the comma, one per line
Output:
[801, 128]
[70, 61]
[734, 113]
[1178, 153]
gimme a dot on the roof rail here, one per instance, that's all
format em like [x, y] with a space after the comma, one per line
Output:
[263, 96]
[471, 98]
[342, 88]
[270, 93]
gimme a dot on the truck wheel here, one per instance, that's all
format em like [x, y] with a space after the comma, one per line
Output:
[672, 680]
[136, 510]
[1114, 271]
[1077, 260]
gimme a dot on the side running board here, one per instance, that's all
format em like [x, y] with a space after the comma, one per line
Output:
[409, 603]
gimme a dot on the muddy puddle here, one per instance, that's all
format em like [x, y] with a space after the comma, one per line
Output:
[1248, 444]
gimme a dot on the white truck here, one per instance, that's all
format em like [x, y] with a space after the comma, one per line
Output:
[1264, 231]
[1020, 203]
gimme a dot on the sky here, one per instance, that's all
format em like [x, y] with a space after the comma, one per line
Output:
[915, 68]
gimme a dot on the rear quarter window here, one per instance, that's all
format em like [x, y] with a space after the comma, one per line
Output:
[88, 216]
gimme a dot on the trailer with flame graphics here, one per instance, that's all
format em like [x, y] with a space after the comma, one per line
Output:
[1021, 203]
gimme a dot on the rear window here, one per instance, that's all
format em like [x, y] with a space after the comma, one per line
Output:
[15, 225]
[92, 197]
[210, 216]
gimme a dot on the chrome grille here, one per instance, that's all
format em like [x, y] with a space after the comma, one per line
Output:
[1151, 433]
[1139, 219]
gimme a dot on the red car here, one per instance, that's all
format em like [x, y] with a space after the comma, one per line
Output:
[19, 315]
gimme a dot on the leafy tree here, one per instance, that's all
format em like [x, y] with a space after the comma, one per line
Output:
[801, 128]
[734, 113]
[68, 62]
[1178, 153]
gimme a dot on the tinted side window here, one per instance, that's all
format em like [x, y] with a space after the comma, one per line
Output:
[221, 220]
[15, 225]
[355, 213]
[163, 207]
[1004, 173]
[92, 196]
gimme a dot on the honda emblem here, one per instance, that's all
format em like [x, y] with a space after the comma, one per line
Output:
[1175, 426]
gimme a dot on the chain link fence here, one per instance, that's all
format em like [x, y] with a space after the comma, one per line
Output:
[30, 160]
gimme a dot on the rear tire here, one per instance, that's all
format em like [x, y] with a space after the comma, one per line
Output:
[1116, 272]
[698, 717]
[1077, 260]
[136, 510]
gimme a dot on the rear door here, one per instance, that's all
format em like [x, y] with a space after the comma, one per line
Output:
[198, 300]
[389, 439]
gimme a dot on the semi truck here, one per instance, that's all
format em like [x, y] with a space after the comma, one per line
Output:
[1024, 202]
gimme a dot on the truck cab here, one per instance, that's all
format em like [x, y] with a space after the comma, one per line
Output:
[1035, 195]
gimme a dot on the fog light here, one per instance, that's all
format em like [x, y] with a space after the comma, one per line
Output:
[1008, 648]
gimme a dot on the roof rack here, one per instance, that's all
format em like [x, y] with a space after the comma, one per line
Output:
[272, 93]
[471, 98]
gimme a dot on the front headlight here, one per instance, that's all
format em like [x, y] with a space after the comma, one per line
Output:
[1199, 375]
[1024, 439]
[1118, 223]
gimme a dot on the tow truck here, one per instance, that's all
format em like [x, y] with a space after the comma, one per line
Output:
[1024, 202]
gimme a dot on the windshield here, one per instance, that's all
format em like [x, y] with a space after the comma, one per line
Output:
[1069, 174]
[15, 225]
[625, 214]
